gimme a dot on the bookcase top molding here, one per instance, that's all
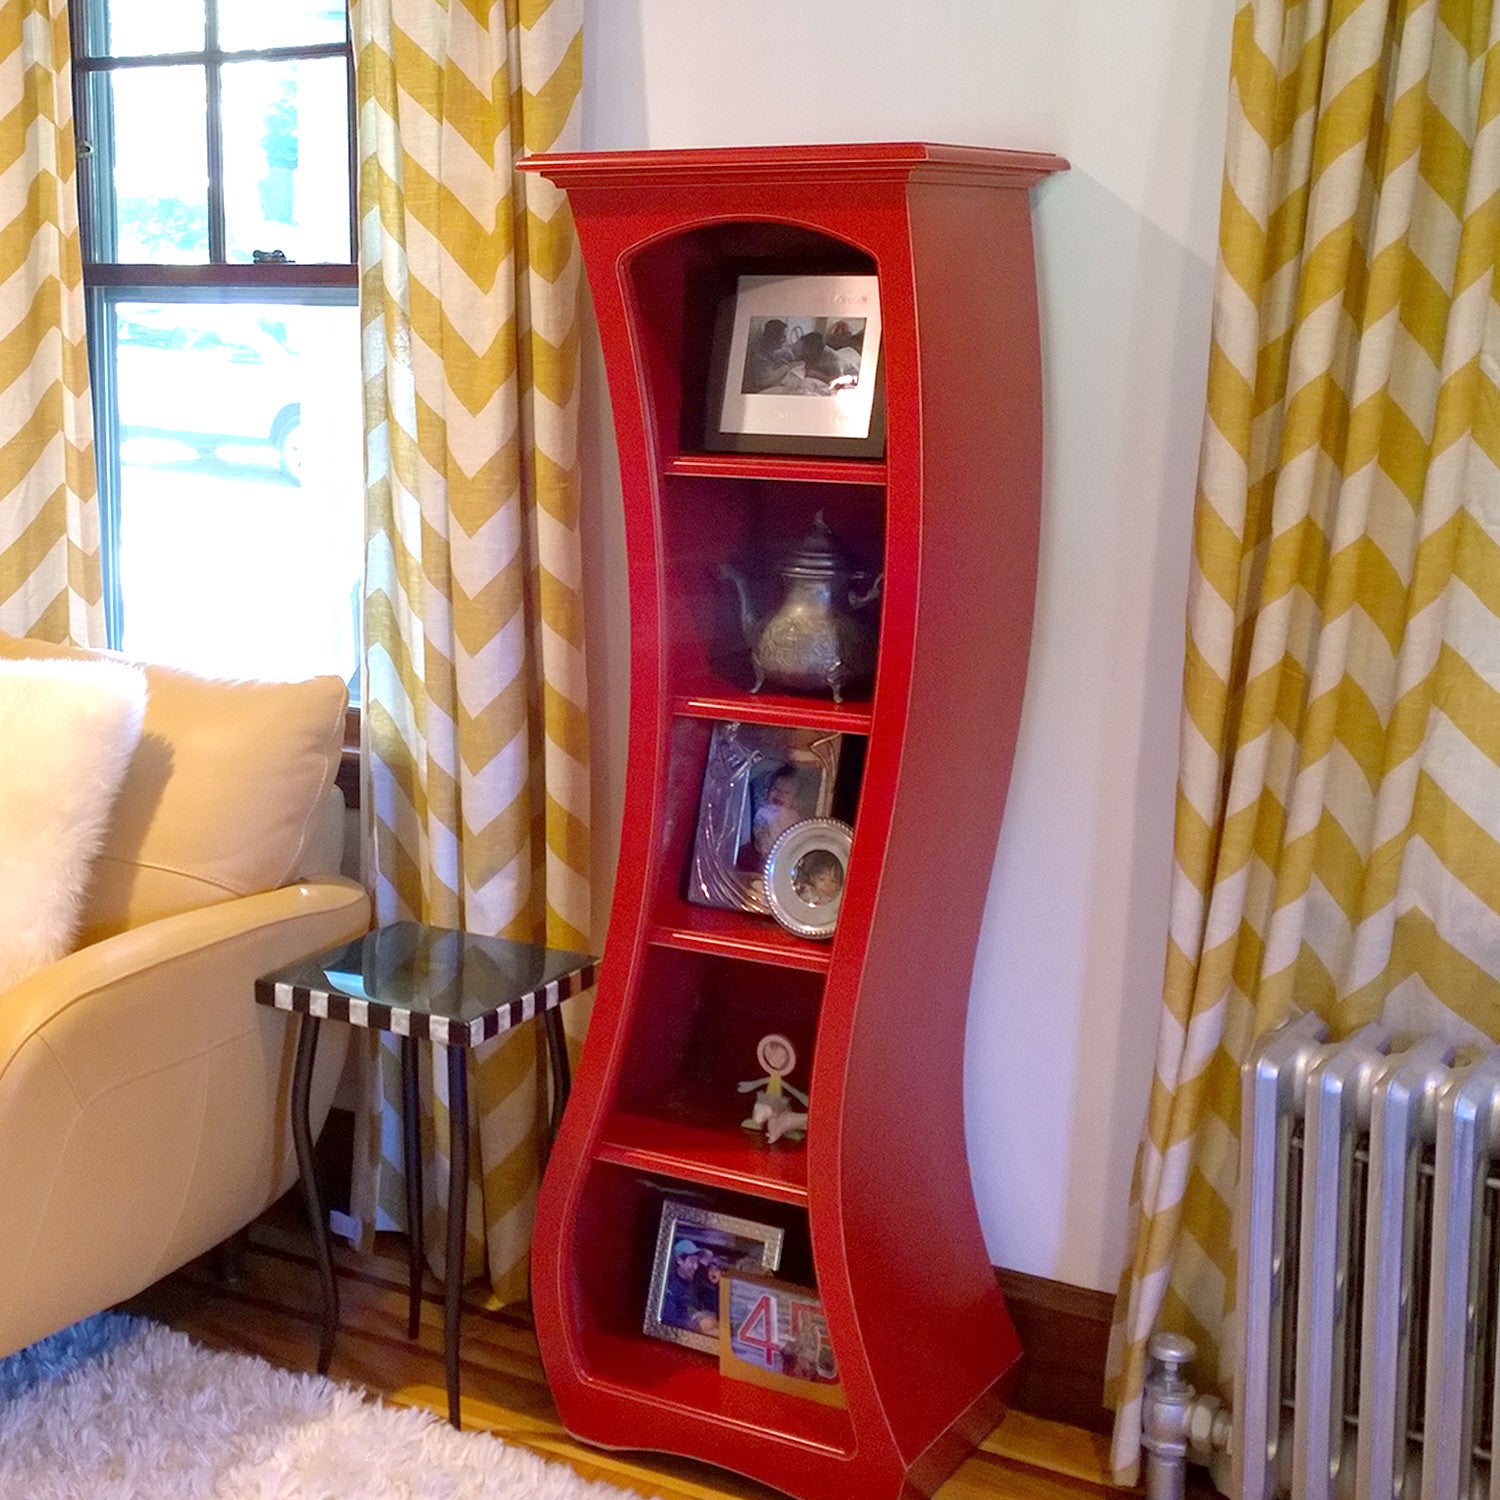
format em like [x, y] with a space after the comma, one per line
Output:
[856, 161]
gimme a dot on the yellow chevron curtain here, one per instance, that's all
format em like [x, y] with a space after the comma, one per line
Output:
[49, 520]
[476, 773]
[1338, 814]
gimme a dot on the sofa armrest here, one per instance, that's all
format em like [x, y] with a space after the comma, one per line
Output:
[144, 1099]
[158, 975]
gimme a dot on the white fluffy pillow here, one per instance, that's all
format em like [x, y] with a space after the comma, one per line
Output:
[67, 732]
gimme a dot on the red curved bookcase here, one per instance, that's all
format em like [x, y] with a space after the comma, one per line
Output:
[876, 1205]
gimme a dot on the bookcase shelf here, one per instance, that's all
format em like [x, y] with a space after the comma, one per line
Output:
[850, 717]
[706, 929]
[762, 466]
[875, 1206]
[718, 1156]
[681, 1385]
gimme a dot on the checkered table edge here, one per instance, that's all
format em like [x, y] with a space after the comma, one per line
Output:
[378, 1015]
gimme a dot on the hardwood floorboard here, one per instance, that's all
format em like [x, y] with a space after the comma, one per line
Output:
[273, 1310]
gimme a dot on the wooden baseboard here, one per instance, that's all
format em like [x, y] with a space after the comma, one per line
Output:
[1064, 1332]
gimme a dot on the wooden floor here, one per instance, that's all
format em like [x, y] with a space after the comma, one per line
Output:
[273, 1311]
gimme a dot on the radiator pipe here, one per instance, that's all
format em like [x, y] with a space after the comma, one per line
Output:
[1175, 1420]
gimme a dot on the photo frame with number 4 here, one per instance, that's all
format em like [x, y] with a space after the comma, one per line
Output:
[695, 1248]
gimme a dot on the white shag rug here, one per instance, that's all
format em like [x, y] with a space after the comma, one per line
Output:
[117, 1408]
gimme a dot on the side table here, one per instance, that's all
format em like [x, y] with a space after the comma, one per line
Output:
[455, 990]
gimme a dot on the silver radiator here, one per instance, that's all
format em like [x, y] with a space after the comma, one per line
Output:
[1369, 1269]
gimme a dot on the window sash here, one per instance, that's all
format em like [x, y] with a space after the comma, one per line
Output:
[95, 149]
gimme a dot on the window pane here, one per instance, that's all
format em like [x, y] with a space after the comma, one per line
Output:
[241, 485]
[139, 28]
[150, 148]
[245, 25]
[286, 159]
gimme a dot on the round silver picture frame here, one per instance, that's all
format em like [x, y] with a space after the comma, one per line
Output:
[805, 873]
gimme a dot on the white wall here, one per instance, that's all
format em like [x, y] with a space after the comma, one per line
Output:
[1067, 982]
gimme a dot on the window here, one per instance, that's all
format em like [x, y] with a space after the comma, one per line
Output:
[216, 197]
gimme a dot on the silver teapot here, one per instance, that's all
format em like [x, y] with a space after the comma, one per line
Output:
[814, 641]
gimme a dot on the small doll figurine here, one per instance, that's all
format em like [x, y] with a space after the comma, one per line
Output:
[773, 1111]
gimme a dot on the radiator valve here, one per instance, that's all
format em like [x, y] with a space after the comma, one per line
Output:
[1175, 1421]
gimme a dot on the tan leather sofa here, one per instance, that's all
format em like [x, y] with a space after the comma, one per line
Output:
[144, 1096]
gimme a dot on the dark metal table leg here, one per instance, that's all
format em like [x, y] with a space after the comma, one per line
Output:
[307, 1052]
[562, 1070]
[458, 1204]
[227, 1259]
[411, 1162]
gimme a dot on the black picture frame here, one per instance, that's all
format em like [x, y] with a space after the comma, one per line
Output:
[817, 405]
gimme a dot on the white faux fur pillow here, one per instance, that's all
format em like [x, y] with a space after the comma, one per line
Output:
[67, 732]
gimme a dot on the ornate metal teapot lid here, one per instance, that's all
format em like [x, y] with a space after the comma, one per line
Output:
[818, 555]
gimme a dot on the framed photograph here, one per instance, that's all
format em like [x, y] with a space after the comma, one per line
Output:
[774, 1334]
[805, 876]
[759, 780]
[796, 368]
[695, 1249]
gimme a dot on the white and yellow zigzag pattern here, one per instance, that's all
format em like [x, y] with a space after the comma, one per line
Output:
[49, 527]
[476, 719]
[1338, 818]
